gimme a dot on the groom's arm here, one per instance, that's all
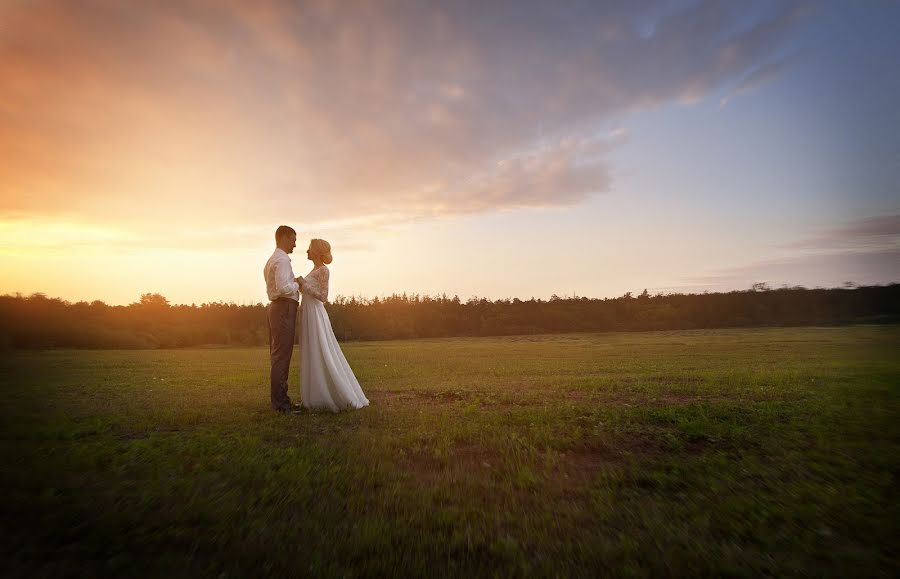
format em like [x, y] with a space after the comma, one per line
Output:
[285, 283]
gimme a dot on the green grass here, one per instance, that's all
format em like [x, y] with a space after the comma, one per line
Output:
[745, 452]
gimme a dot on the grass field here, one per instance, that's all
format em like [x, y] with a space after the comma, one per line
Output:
[763, 451]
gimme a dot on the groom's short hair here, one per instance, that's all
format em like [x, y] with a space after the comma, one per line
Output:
[283, 231]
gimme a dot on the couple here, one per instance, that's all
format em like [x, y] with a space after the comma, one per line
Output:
[326, 380]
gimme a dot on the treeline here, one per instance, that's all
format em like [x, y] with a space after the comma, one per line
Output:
[37, 321]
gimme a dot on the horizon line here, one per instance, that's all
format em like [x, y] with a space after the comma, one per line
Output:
[756, 287]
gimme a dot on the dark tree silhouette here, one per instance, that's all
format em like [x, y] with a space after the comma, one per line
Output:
[154, 301]
[37, 321]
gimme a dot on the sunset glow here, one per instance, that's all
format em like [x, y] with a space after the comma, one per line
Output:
[511, 149]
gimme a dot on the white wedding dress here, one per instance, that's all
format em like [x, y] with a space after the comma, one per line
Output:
[326, 380]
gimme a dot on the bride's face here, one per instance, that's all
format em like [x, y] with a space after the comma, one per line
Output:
[310, 253]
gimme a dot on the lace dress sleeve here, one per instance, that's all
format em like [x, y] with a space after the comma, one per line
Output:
[316, 284]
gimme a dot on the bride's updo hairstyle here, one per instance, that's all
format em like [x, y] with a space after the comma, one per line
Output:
[323, 249]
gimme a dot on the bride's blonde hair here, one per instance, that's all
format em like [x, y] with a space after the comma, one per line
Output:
[323, 249]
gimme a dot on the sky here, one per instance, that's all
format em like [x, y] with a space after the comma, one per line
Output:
[495, 149]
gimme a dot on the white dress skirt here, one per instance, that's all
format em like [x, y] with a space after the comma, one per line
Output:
[326, 380]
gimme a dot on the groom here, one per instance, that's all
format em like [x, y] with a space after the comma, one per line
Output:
[284, 294]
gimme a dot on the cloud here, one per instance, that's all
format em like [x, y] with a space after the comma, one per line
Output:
[757, 78]
[865, 251]
[815, 270]
[868, 234]
[200, 111]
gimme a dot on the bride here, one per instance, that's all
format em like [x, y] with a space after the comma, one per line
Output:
[326, 380]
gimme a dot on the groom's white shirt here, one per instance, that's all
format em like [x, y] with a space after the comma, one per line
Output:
[280, 279]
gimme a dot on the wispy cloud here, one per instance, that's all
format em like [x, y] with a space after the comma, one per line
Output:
[815, 270]
[865, 251]
[869, 234]
[757, 78]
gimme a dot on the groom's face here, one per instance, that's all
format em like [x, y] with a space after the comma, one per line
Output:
[287, 243]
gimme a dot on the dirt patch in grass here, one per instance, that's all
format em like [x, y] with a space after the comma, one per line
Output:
[466, 456]
[485, 399]
[450, 395]
[506, 400]
[674, 379]
[465, 460]
[390, 395]
[605, 398]
[573, 469]
[674, 399]
[577, 466]
[439, 396]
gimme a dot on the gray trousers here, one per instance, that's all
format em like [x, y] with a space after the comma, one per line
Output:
[282, 325]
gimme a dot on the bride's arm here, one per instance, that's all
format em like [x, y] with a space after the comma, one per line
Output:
[323, 284]
[319, 288]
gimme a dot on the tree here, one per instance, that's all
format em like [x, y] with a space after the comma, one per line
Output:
[154, 300]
